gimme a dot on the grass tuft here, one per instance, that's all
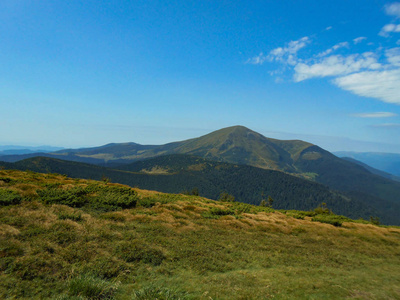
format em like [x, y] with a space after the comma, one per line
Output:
[87, 286]
[154, 292]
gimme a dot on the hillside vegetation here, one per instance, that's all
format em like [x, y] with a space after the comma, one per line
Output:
[64, 238]
[183, 173]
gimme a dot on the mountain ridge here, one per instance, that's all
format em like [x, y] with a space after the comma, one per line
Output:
[235, 144]
[242, 146]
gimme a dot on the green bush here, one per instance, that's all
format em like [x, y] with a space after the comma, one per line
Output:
[221, 212]
[74, 197]
[8, 197]
[147, 202]
[216, 213]
[297, 216]
[226, 197]
[242, 207]
[102, 198]
[322, 209]
[114, 198]
[329, 219]
[7, 179]
[159, 198]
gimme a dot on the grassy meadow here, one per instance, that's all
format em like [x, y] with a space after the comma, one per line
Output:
[63, 238]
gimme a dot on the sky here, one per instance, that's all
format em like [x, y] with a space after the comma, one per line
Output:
[87, 73]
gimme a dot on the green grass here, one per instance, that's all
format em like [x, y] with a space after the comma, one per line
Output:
[173, 249]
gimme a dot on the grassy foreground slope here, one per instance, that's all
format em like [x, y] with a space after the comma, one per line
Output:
[79, 239]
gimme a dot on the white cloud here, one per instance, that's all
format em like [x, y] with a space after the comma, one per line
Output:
[334, 48]
[388, 28]
[393, 9]
[393, 56]
[328, 28]
[359, 39]
[336, 65]
[257, 60]
[383, 85]
[375, 115]
[287, 54]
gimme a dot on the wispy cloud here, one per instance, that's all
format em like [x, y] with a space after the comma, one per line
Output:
[286, 54]
[257, 60]
[375, 115]
[389, 28]
[393, 9]
[359, 39]
[334, 48]
[393, 56]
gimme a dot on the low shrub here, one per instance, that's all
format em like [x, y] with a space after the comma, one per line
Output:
[74, 197]
[216, 213]
[221, 212]
[147, 202]
[111, 198]
[8, 197]
[329, 219]
[101, 198]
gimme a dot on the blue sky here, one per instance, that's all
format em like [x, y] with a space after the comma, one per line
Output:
[87, 73]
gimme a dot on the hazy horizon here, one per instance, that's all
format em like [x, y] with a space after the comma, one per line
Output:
[331, 144]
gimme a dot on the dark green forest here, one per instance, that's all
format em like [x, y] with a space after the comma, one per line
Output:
[183, 173]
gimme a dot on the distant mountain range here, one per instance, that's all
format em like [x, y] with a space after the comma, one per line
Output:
[364, 191]
[387, 162]
[373, 170]
[18, 150]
